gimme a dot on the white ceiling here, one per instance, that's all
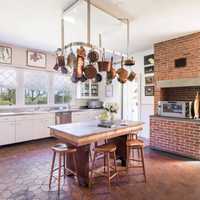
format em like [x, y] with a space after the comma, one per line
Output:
[36, 23]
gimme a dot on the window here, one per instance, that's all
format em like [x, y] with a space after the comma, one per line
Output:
[62, 89]
[7, 87]
[36, 87]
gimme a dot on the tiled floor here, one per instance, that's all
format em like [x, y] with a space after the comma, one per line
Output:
[24, 173]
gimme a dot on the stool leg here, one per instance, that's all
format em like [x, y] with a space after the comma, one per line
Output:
[59, 171]
[64, 163]
[115, 165]
[142, 155]
[127, 158]
[108, 167]
[75, 166]
[104, 163]
[52, 168]
[91, 175]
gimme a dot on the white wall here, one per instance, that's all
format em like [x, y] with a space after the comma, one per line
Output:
[146, 102]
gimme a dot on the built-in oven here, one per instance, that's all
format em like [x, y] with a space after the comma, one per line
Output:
[182, 109]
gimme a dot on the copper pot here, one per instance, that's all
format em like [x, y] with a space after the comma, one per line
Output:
[90, 71]
[81, 52]
[93, 56]
[131, 76]
[129, 62]
[98, 78]
[103, 66]
[122, 73]
[112, 69]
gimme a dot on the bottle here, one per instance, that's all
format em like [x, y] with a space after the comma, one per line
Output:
[196, 106]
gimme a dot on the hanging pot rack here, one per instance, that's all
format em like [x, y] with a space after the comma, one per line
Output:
[88, 43]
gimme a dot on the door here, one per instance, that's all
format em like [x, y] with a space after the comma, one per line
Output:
[132, 99]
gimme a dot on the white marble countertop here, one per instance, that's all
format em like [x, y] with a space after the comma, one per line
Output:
[90, 128]
[4, 114]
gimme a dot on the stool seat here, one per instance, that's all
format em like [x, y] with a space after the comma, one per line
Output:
[63, 148]
[135, 143]
[106, 148]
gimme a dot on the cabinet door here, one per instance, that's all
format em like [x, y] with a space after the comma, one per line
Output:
[7, 132]
[94, 90]
[42, 129]
[25, 130]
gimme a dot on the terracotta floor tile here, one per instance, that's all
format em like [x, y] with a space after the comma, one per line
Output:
[24, 174]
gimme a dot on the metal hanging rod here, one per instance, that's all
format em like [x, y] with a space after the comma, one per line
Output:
[76, 2]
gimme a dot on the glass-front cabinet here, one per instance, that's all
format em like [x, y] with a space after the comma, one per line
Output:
[88, 90]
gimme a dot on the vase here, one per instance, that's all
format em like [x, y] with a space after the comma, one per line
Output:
[196, 106]
[112, 117]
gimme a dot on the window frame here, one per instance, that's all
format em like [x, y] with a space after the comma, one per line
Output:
[20, 89]
[16, 89]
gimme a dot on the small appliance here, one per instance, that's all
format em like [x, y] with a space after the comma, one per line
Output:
[182, 109]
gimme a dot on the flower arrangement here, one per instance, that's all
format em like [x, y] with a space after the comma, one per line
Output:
[111, 107]
[109, 110]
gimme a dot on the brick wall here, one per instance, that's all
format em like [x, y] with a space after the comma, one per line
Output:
[165, 54]
[177, 136]
[170, 134]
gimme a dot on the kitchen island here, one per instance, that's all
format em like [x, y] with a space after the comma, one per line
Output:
[82, 135]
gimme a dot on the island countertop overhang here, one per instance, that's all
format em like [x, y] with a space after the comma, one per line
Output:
[85, 133]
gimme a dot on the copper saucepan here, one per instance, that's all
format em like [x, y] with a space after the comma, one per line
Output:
[103, 65]
[122, 73]
[90, 71]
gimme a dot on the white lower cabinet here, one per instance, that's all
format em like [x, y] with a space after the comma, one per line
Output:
[7, 131]
[25, 128]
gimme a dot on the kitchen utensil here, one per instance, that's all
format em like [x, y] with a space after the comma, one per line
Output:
[104, 65]
[131, 76]
[71, 59]
[80, 66]
[64, 70]
[83, 78]
[90, 71]
[56, 66]
[129, 62]
[60, 58]
[112, 73]
[93, 56]
[98, 78]
[81, 54]
[122, 73]
[74, 78]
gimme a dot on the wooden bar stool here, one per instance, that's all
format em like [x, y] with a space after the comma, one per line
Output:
[107, 150]
[63, 151]
[131, 145]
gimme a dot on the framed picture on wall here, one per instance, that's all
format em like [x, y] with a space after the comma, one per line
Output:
[36, 59]
[149, 80]
[149, 59]
[149, 90]
[5, 55]
[109, 90]
[149, 69]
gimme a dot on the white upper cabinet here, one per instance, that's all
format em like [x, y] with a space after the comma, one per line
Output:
[88, 90]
